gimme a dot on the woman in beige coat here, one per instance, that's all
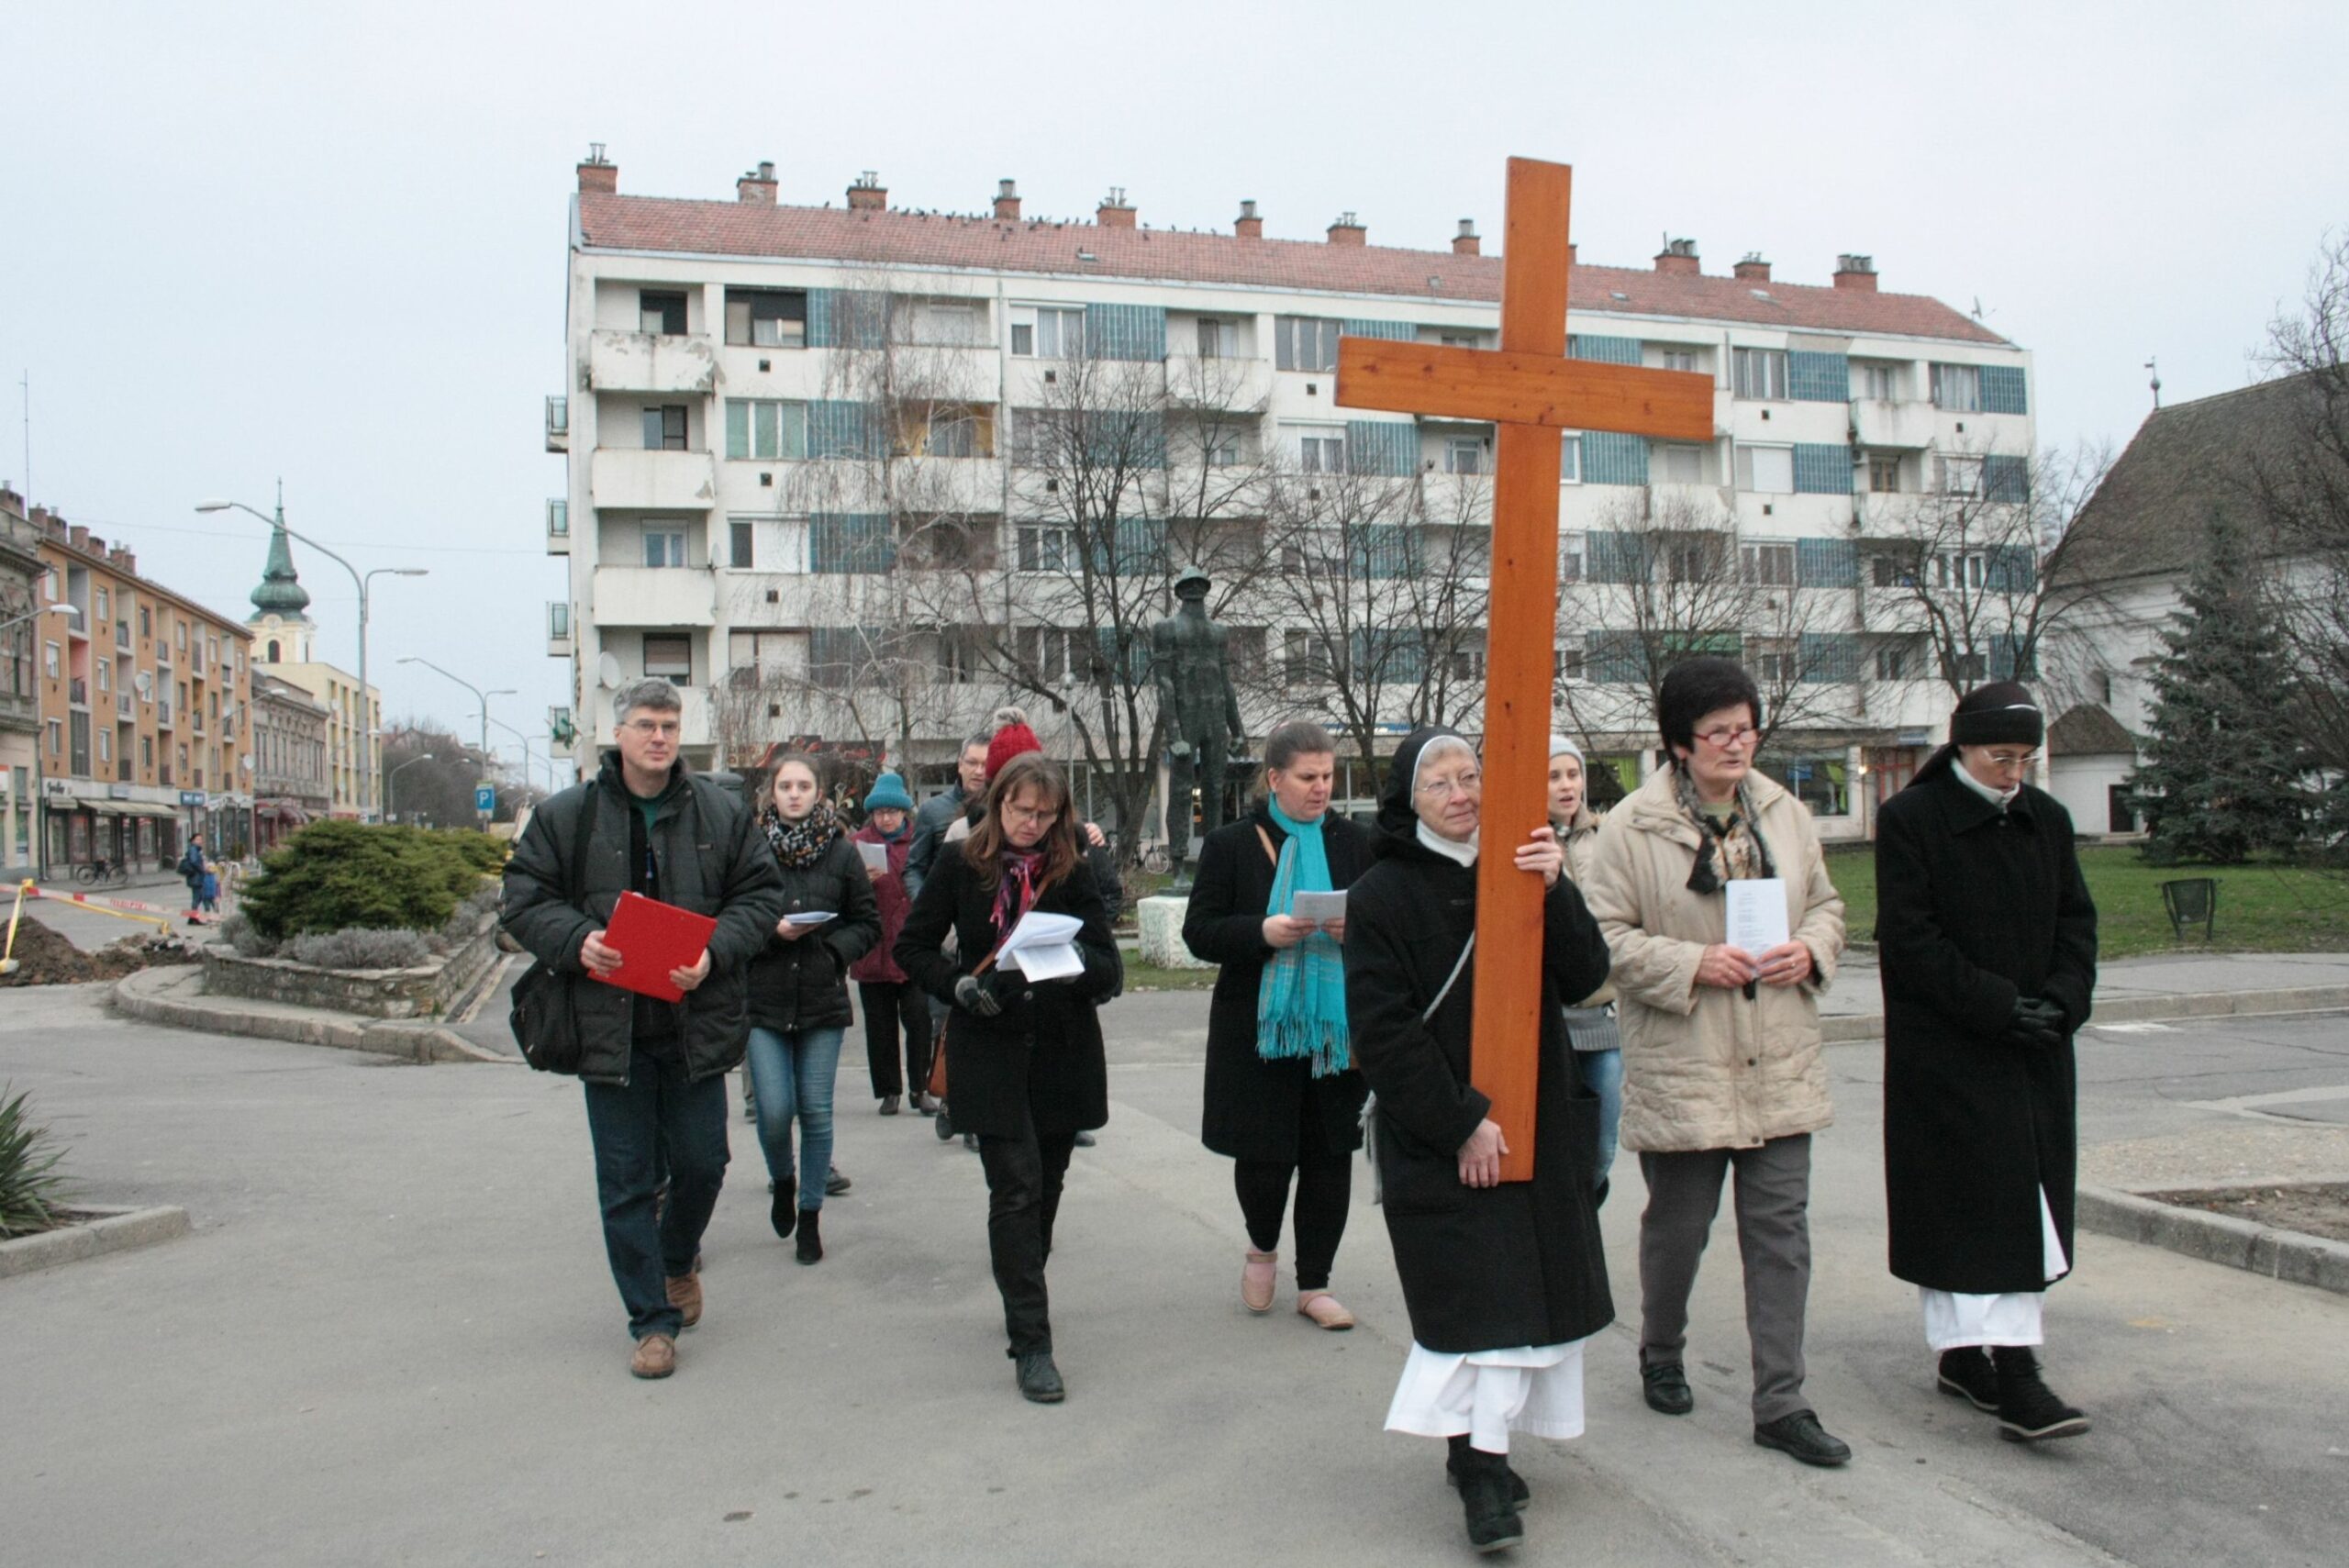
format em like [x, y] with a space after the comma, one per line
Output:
[1722, 1064]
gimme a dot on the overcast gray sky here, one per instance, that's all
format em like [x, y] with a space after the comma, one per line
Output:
[326, 241]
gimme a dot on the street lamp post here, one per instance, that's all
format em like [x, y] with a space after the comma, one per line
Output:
[528, 756]
[479, 696]
[74, 610]
[391, 784]
[366, 719]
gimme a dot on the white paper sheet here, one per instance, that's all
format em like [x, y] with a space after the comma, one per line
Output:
[1042, 946]
[875, 856]
[1757, 915]
[1320, 908]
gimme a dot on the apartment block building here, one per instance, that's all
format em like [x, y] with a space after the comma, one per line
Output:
[795, 434]
[144, 700]
[21, 618]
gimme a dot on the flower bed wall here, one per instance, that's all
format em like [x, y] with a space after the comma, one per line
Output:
[423, 991]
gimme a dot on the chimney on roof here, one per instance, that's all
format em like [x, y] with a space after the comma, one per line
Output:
[78, 536]
[1465, 242]
[757, 189]
[10, 502]
[1753, 268]
[1678, 256]
[1856, 272]
[1007, 200]
[867, 194]
[129, 562]
[1248, 226]
[1115, 211]
[599, 172]
[1348, 230]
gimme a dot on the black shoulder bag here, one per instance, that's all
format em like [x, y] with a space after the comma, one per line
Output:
[543, 1023]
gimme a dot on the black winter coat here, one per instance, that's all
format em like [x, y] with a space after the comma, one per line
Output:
[803, 985]
[1040, 1062]
[1254, 1110]
[1975, 908]
[1482, 1268]
[711, 860]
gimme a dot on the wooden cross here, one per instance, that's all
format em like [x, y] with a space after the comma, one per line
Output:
[1532, 391]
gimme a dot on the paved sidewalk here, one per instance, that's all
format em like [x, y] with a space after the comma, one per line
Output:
[2164, 986]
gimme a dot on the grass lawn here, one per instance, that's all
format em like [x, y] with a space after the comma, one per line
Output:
[2262, 908]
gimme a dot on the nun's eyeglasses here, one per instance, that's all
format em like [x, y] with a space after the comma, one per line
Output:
[1444, 789]
[2011, 759]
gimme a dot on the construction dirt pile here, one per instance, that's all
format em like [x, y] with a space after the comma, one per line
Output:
[44, 958]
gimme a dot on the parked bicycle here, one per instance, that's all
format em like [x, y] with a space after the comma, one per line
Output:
[101, 872]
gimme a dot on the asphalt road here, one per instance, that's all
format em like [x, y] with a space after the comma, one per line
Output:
[391, 1339]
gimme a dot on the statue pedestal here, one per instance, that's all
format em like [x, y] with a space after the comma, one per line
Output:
[1161, 922]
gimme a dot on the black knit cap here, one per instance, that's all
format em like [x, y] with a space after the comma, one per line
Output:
[2000, 714]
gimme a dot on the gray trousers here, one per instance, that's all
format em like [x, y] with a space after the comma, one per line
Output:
[1773, 1185]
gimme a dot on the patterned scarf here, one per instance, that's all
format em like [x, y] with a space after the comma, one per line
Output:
[1015, 889]
[797, 844]
[1301, 1001]
[1742, 851]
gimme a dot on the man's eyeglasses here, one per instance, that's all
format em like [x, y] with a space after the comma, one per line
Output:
[1444, 789]
[650, 727]
[1727, 736]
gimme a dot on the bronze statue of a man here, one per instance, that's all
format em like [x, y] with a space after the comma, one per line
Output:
[1192, 668]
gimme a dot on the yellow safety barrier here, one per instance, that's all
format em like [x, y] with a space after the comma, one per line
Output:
[118, 908]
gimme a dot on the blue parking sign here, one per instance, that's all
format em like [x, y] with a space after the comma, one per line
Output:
[485, 797]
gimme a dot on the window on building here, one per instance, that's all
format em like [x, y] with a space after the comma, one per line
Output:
[179, 635]
[766, 318]
[1761, 374]
[1891, 663]
[1042, 547]
[1961, 475]
[146, 628]
[1678, 464]
[1766, 471]
[664, 428]
[741, 552]
[1460, 339]
[663, 546]
[105, 601]
[763, 429]
[1320, 451]
[668, 655]
[1773, 660]
[1957, 389]
[961, 659]
[1969, 669]
[146, 751]
[1819, 783]
[1465, 454]
[938, 322]
[1047, 332]
[1884, 474]
[661, 311]
[1769, 565]
[105, 676]
[1570, 460]
[2100, 687]
[1875, 383]
[56, 738]
[273, 651]
[1051, 654]
[1305, 660]
[1305, 343]
[52, 660]
[1466, 659]
[1222, 448]
[105, 744]
[1693, 558]
[1960, 569]
[1570, 557]
[1219, 340]
[1677, 358]
[50, 587]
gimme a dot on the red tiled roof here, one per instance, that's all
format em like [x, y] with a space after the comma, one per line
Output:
[610, 221]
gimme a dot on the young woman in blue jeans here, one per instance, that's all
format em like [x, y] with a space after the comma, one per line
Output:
[799, 991]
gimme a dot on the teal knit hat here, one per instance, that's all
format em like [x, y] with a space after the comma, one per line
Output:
[888, 791]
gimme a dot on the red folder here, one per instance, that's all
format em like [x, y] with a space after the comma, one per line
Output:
[653, 938]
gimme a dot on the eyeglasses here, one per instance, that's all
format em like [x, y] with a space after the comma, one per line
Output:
[650, 726]
[1728, 736]
[1444, 789]
[2011, 759]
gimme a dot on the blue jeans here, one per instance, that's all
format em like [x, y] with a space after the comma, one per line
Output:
[635, 1126]
[791, 1074]
[1602, 1075]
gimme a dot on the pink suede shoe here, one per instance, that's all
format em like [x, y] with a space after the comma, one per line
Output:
[1256, 1281]
[1324, 1310]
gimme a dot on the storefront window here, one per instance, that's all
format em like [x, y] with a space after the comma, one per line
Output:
[1819, 783]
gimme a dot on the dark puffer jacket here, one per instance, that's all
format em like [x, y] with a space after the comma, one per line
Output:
[712, 861]
[803, 985]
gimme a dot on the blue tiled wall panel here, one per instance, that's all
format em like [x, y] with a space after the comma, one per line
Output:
[1126, 331]
[1389, 446]
[1614, 557]
[2003, 390]
[1608, 458]
[1392, 331]
[850, 542]
[2010, 569]
[1124, 438]
[2006, 478]
[1133, 642]
[1821, 470]
[2009, 662]
[1140, 541]
[1831, 656]
[847, 319]
[1385, 549]
[1613, 658]
[1827, 562]
[1389, 655]
[1606, 351]
[841, 430]
[1814, 377]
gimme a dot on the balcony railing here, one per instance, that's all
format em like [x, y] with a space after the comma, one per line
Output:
[557, 629]
[164, 718]
[557, 525]
[558, 424]
[650, 361]
[122, 709]
[77, 692]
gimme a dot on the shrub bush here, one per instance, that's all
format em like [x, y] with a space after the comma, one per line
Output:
[479, 850]
[30, 1187]
[335, 876]
[360, 949]
[237, 932]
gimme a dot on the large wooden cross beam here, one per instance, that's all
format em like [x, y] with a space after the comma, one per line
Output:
[1532, 391]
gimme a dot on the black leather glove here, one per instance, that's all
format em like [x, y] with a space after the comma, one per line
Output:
[2035, 1023]
[973, 998]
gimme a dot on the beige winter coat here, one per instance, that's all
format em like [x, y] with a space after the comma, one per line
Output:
[1705, 1068]
[1579, 840]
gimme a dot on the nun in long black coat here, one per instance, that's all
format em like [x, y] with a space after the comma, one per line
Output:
[1502, 1281]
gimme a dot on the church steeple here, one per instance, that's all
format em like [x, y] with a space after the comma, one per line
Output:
[281, 592]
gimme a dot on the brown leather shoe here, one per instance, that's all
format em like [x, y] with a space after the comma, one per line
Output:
[685, 1294]
[656, 1356]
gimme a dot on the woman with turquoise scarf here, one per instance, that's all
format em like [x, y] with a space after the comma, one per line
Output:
[1283, 1100]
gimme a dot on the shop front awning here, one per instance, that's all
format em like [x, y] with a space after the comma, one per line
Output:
[147, 808]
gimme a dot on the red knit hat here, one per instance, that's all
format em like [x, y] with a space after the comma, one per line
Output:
[1011, 740]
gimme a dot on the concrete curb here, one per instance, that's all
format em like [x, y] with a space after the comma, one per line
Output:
[1847, 1028]
[2217, 1238]
[163, 997]
[112, 1230]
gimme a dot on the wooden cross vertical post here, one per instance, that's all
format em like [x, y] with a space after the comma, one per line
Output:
[1531, 391]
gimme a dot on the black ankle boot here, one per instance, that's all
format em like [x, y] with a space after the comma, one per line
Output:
[2029, 1411]
[1519, 1494]
[811, 1241]
[1966, 1374]
[782, 1208]
[1484, 1478]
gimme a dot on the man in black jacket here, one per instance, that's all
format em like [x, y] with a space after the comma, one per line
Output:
[655, 1071]
[940, 811]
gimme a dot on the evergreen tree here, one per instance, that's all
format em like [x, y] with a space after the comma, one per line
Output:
[2225, 774]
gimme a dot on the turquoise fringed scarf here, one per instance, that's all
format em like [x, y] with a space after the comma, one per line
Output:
[1301, 1002]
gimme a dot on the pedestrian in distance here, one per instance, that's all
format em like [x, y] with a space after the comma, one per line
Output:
[654, 1071]
[1986, 939]
[192, 869]
[1283, 1095]
[1722, 1067]
[1505, 1282]
[1024, 1062]
[893, 1007]
[800, 992]
[1590, 1023]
